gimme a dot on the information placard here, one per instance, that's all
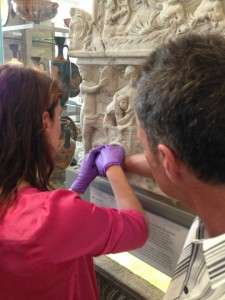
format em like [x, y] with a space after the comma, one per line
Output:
[165, 241]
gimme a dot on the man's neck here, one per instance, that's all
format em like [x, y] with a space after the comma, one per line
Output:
[208, 202]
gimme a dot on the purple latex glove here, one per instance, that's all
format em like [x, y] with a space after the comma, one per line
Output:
[109, 155]
[88, 171]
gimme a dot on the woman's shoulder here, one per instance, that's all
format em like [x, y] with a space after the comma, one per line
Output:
[32, 194]
[29, 204]
[37, 193]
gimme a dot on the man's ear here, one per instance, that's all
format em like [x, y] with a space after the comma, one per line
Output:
[46, 120]
[170, 162]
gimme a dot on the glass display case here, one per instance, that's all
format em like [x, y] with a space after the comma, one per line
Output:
[32, 25]
[28, 33]
[32, 36]
[27, 37]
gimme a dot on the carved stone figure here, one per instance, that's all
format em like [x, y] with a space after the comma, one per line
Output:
[117, 15]
[168, 14]
[80, 28]
[209, 11]
[90, 115]
[97, 89]
[121, 12]
[121, 112]
[119, 121]
[83, 34]
[131, 74]
[119, 116]
[109, 79]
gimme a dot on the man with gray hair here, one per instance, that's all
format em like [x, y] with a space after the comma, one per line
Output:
[180, 108]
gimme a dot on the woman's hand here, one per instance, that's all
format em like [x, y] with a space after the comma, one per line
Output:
[88, 171]
[110, 155]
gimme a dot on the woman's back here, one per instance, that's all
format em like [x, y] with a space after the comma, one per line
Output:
[26, 272]
[48, 239]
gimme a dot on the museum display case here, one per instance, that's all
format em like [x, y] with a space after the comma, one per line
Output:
[29, 30]
[31, 35]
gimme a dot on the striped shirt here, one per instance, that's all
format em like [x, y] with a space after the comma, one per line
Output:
[200, 271]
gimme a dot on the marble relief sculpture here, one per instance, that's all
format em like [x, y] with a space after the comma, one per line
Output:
[89, 115]
[111, 44]
[119, 122]
[169, 14]
[107, 112]
[97, 89]
[139, 25]
[109, 75]
[209, 12]
[83, 34]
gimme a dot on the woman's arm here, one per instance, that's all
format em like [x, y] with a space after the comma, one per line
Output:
[124, 195]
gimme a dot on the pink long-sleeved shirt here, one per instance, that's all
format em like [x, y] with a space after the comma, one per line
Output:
[48, 239]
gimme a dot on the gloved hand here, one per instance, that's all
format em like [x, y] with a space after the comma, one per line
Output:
[88, 171]
[109, 155]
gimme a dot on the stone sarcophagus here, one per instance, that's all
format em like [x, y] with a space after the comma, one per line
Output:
[111, 45]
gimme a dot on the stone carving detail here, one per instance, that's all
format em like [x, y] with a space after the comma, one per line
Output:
[97, 89]
[111, 45]
[119, 120]
[120, 25]
[107, 112]
[83, 34]
[209, 13]
[89, 115]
